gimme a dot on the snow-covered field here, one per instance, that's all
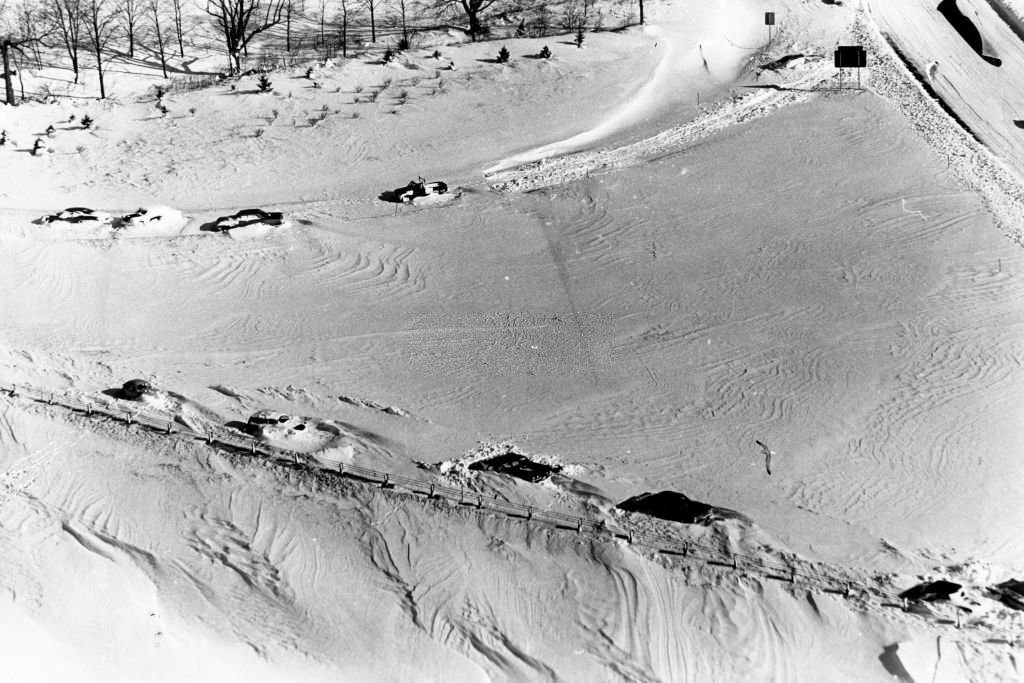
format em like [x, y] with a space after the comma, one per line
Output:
[834, 274]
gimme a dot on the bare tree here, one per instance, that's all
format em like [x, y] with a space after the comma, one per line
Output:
[32, 23]
[68, 18]
[131, 10]
[176, 5]
[11, 39]
[323, 21]
[240, 21]
[402, 14]
[344, 13]
[19, 30]
[101, 26]
[371, 6]
[155, 10]
[472, 9]
[290, 10]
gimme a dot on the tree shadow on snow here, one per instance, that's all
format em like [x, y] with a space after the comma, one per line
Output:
[967, 30]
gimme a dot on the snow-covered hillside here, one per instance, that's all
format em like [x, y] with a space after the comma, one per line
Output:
[798, 304]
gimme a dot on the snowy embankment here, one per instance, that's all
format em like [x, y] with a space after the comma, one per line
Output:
[700, 50]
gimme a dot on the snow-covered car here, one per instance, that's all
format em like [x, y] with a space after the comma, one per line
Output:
[148, 215]
[270, 418]
[415, 189]
[247, 217]
[78, 214]
[134, 389]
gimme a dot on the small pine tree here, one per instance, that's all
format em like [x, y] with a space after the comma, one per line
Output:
[437, 54]
[264, 83]
[579, 37]
[3, 137]
[403, 44]
[521, 29]
[38, 145]
[50, 131]
[503, 55]
[545, 53]
[87, 122]
[309, 72]
[388, 57]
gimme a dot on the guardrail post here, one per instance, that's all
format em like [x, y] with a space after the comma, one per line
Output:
[903, 602]
[49, 401]
[170, 423]
[341, 468]
[629, 537]
[431, 495]
[209, 439]
[295, 458]
[734, 561]
[529, 512]
[252, 446]
[846, 591]
[128, 418]
[686, 549]
[792, 574]
[462, 494]
[957, 610]
[14, 390]
[579, 525]
[88, 409]
[387, 478]
[479, 501]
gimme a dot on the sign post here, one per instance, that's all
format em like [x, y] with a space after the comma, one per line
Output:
[769, 21]
[850, 57]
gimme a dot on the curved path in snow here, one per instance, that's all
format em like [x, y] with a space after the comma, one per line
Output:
[702, 51]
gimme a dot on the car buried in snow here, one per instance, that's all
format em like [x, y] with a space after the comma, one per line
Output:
[246, 218]
[78, 214]
[413, 190]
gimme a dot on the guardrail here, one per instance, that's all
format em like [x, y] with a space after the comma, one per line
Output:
[795, 572]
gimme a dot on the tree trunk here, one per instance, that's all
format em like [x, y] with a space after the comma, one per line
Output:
[9, 87]
[159, 40]
[99, 71]
[641, 12]
[373, 25]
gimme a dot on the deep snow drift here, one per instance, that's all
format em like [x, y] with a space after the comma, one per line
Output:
[787, 265]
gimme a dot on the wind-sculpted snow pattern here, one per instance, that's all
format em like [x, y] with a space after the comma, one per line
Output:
[249, 569]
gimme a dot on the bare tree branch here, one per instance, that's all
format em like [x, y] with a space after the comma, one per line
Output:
[239, 21]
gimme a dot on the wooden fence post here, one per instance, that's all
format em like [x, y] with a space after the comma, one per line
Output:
[792, 574]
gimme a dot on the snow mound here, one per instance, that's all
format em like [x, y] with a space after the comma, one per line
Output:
[153, 221]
